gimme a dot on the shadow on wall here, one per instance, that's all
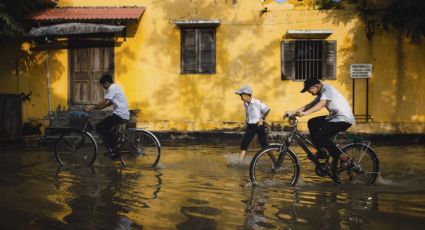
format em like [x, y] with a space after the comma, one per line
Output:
[396, 73]
[24, 72]
[202, 97]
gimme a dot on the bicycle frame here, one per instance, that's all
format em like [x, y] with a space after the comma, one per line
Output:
[128, 130]
[301, 140]
[88, 128]
[330, 166]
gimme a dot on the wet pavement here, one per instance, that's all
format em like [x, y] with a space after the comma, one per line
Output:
[202, 187]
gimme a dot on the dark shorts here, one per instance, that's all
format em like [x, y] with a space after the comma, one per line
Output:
[250, 132]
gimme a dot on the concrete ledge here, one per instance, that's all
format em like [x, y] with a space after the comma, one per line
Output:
[173, 138]
[393, 128]
[234, 137]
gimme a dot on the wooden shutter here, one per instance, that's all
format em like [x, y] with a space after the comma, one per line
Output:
[207, 51]
[329, 60]
[189, 51]
[288, 55]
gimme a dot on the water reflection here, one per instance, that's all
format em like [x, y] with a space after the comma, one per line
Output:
[255, 208]
[198, 187]
[102, 197]
[199, 216]
[293, 209]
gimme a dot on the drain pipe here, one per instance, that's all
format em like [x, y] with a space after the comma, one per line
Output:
[48, 82]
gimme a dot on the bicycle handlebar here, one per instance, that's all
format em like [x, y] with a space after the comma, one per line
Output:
[292, 119]
[78, 114]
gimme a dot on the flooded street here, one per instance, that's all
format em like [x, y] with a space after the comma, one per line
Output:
[203, 187]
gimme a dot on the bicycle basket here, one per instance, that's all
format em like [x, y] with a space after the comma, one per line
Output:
[78, 120]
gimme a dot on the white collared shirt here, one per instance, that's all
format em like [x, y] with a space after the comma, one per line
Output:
[255, 110]
[337, 105]
[116, 95]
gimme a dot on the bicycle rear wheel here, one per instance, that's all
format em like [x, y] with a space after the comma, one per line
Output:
[264, 169]
[144, 150]
[75, 148]
[365, 165]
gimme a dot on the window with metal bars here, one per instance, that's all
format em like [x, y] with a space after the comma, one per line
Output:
[198, 50]
[303, 59]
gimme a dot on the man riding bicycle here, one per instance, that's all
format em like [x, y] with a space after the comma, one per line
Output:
[114, 96]
[323, 128]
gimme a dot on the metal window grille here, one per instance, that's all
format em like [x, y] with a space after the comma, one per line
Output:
[308, 59]
[198, 50]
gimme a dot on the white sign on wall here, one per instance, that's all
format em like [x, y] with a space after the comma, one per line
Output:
[360, 70]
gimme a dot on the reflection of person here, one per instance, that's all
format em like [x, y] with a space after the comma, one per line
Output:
[114, 96]
[255, 209]
[323, 128]
[256, 113]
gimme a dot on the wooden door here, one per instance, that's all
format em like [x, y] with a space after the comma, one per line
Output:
[10, 116]
[88, 61]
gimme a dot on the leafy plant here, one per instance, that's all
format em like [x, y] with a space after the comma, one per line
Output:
[404, 16]
[12, 14]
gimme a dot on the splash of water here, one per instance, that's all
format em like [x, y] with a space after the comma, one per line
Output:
[383, 181]
[234, 160]
[160, 166]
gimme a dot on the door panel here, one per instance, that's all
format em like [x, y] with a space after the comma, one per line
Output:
[87, 64]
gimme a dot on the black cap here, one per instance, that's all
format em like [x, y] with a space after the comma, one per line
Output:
[309, 83]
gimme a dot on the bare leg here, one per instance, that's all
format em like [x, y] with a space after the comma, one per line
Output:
[242, 155]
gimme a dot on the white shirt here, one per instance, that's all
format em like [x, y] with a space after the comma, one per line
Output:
[116, 95]
[337, 105]
[255, 110]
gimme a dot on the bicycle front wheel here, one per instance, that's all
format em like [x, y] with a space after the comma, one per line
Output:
[75, 148]
[364, 168]
[144, 150]
[265, 169]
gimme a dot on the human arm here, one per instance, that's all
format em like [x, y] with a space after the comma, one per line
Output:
[263, 118]
[318, 106]
[105, 103]
[265, 110]
[302, 109]
[321, 101]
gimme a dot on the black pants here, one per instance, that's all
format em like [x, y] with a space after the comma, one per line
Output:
[106, 128]
[251, 130]
[321, 132]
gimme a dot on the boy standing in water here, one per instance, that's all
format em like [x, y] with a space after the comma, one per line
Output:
[256, 113]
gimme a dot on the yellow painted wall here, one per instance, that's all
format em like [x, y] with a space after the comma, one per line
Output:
[147, 66]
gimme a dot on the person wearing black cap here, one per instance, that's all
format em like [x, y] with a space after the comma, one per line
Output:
[323, 128]
[256, 113]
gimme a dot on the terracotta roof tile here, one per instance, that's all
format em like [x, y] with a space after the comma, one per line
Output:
[88, 13]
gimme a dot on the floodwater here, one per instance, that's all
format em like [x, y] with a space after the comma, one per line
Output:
[202, 187]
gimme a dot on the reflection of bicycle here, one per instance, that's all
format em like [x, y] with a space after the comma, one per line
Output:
[279, 163]
[135, 147]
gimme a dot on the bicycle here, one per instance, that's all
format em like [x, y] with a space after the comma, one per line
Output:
[279, 163]
[136, 147]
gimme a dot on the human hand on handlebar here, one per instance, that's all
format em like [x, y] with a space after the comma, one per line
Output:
[87, 109]
[290, 114]
[294, 114]
[301, 114]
